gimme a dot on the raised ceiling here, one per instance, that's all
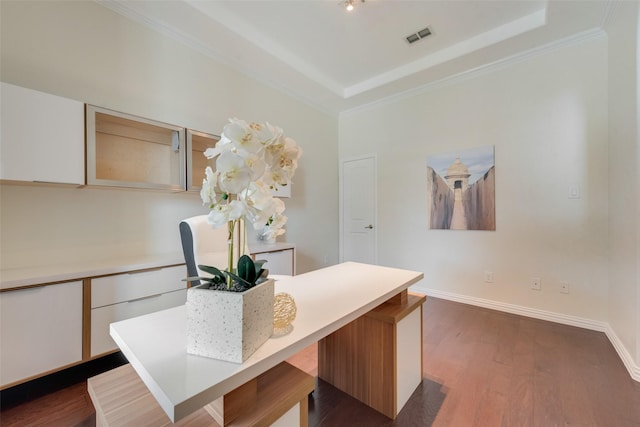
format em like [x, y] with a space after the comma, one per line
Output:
[337, 60]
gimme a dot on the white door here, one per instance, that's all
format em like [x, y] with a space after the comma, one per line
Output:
[358, 210]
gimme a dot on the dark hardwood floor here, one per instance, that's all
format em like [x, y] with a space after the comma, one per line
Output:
[481, 368]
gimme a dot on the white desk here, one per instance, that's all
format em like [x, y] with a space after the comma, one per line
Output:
[326, 299]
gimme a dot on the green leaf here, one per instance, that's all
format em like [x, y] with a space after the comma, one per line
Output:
[212, 270]
[241, 280]
[259, 263]
[247, 269]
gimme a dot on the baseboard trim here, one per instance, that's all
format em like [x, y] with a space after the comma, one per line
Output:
[38, 387]
[627, 360]
[565, 319]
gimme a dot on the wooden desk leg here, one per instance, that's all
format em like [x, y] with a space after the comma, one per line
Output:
[377, 358]
[278, 397]
[228, 407]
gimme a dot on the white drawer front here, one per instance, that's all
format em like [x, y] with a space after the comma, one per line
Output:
[278, 262]
[102, 317]
[126, 287]
[40, 330]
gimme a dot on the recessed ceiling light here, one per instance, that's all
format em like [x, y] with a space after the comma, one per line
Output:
[349, 4]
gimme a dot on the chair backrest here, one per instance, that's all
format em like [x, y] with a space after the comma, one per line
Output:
[203, 245]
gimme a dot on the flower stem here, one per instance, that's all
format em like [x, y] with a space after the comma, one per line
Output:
[230, 227]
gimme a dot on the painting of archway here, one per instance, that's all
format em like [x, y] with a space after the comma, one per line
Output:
[461, 190]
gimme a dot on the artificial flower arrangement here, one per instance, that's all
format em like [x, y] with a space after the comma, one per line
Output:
[252, 159]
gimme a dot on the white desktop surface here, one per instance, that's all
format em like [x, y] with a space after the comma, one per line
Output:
[326, 300]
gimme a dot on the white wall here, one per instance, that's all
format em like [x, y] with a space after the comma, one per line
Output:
[83, 51]
[624, 175]
[547, 117]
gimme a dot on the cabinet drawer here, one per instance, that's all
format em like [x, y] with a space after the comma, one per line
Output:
[278, 262]
[102, 317]
[40, 330]
[126, 287]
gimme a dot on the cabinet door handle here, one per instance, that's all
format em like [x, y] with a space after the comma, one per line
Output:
[144, 298]
[146, 270]
[370, 226]
[37, 181]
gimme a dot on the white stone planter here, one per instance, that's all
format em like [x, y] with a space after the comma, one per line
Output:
[229, 325]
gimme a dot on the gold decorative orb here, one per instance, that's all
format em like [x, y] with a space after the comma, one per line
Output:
[284, 313]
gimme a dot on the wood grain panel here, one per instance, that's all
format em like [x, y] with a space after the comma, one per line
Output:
[227, 408]
[361, 358]
[279, 389]
[86, 319]
[392, 311]
[199, 143]
[133, 160]
[121, 399]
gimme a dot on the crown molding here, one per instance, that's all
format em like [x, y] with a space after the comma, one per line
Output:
[123, 9]
[534, 20]
[465, 47]
[500, 64]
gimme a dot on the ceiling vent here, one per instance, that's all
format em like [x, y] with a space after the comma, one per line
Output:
[412, 38]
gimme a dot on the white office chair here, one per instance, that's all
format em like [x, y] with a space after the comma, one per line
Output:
[203, 245]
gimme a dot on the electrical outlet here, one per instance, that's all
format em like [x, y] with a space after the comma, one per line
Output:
[536, 283]
[574, 191]
[488, 276]
[564, 287]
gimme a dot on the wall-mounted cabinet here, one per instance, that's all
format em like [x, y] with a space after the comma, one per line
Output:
[41, 137]
[197, 143]
[44, 139]
[129, 151]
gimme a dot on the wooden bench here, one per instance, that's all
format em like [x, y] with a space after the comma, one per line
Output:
[278, 397]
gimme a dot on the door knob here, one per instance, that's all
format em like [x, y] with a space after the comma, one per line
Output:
[369, 226]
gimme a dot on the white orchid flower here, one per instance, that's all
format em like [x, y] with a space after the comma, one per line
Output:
[255, 163]
[212, 152]
[272, 151]
[289, 156]
[275, 226]
[208, 190]
[264, 133]
[252, 159]
[276, 131]
[242, 136]
[234, 174]
[221, 214]
[259, 203]
[273, 177]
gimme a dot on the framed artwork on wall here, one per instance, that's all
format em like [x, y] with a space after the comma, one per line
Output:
[461, 190]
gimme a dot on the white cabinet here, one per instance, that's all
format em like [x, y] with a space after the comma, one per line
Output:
[41, 330]
[130, 151]
[278, 261]
[41, 137]
[123, 296]
[197, 143]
